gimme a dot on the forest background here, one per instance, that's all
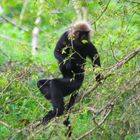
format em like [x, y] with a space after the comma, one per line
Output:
[29, 30]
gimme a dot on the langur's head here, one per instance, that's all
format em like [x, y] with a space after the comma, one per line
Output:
[80, 31]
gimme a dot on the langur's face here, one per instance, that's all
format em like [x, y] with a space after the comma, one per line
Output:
[82, 35]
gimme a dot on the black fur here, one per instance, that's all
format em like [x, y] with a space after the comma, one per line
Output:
[71, 56]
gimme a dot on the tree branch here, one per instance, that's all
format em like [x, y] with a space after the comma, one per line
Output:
[110, 106]
[114, 68]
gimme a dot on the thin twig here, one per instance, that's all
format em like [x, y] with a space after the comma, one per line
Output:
[7, 19]
[101, 13]
[98, 125]
[137, 2]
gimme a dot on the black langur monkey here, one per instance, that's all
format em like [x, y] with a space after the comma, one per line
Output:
[71, 51]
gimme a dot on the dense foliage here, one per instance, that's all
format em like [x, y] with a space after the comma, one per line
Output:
[116, 33]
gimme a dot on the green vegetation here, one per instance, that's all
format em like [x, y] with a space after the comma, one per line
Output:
[116, 33]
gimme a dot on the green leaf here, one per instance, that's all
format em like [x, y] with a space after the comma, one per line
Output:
[84, 41]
